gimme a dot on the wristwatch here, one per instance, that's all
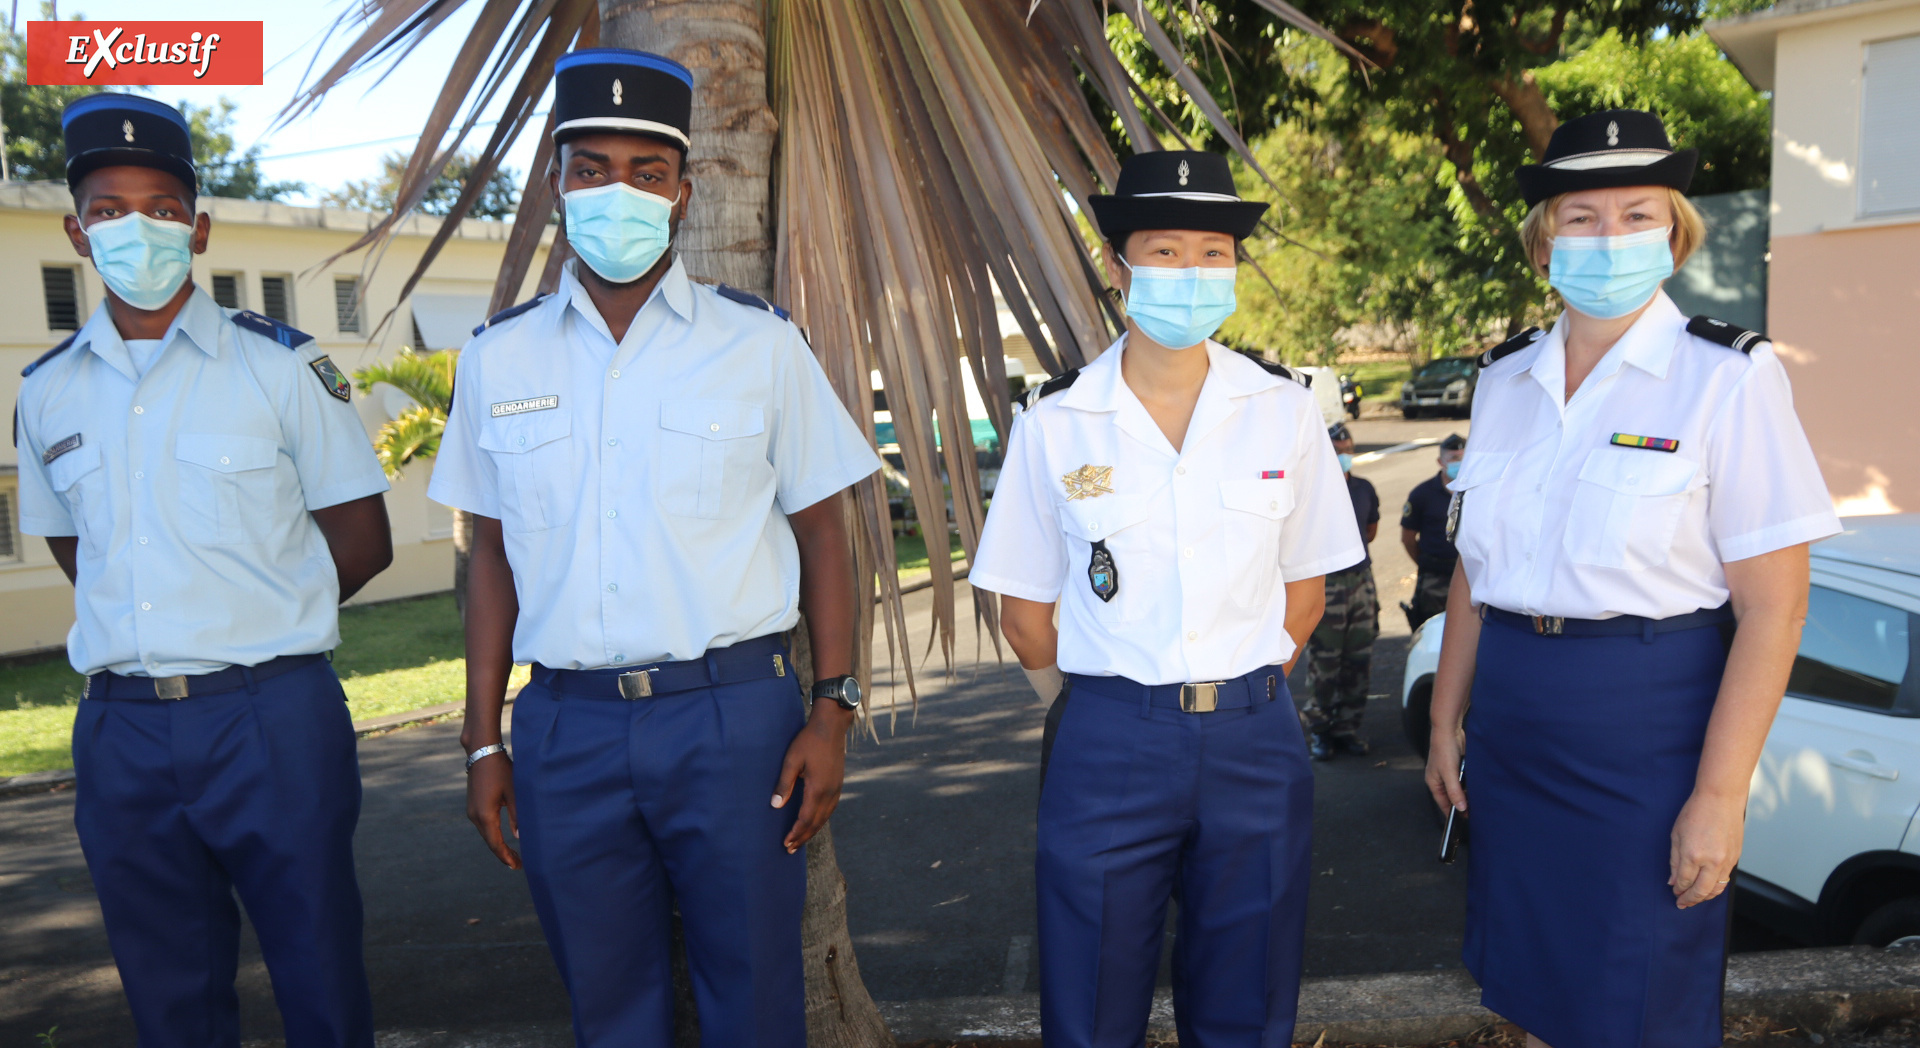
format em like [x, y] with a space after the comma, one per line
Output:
[844, 690]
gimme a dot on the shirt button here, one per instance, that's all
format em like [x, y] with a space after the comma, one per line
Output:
[522, 441]
[613, 587]
[1182, 470]
[224, 461]
[1273, 505]
[1189, 551]
[143, 540]
[144, 606]
[139, 474]
[138, 410]
[619, 658]
[616, 374]
[613, 442]
[1192, 635]
[715, 427]
[613, 513]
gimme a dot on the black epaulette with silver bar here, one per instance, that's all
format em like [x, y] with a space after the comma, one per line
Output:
[1731, 336]
[1511, 346]
[1286, 372]
[1046, 389]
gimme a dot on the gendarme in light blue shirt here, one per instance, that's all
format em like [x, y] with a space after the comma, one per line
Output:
[190, 489]
[642, 487]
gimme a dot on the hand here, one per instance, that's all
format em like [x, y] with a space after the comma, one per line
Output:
[1706, 847]
[490, 788]
[1443, 769]
[818, 755]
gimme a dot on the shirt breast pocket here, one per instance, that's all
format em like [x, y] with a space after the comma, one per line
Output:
[1254, 510]
[534, 458]
[1627, 507]
[227, 488]
[709, 450]
[1478, 489]
[77, 477]
[1118, 521]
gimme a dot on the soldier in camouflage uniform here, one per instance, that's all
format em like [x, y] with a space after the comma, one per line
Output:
[1340, 653]
[1423, 532]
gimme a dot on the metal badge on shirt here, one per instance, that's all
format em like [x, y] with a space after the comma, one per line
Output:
[516, 407]
[330, 377]
[1088, 482]
[1101, 572]
[60, 449]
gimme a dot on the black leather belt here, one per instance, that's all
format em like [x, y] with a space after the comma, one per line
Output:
[754, 659]
[1618, 626]
[116, 686]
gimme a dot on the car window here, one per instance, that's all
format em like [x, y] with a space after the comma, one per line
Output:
[1452, 367]
[1853, 651]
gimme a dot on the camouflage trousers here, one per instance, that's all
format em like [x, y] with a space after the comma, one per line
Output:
[1429, 596]
[1340, 654]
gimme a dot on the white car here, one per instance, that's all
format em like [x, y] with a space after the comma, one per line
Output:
[1832, 850]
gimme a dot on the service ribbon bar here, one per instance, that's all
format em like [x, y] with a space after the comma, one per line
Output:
[1628, 440]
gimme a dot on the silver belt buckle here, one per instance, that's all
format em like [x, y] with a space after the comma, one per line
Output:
[1200, 698]
[1549, 625]
[635, 685]
[169, 687]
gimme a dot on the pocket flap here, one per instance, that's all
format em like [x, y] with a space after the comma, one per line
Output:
[1271, 499]
[1097, 518]
[712, 419]
[73, 465]
[1633, 471]
[1481, 467]
[519, 434]
[225, 452]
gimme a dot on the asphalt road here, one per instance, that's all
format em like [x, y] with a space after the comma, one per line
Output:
[935, 836]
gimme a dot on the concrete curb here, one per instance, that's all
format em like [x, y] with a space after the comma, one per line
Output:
[1827, 990]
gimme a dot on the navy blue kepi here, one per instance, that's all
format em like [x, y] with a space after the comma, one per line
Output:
[111, 129]
[605, 89]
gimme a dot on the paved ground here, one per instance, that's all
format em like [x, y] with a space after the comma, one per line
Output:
[935, 836]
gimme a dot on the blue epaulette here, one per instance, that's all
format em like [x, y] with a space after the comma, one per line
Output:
[1048, 388]
[748, 298]
[511, 311]
[279, 331]
[1285, 372]
[49, 354]
[1511, 346]
[1731, 336]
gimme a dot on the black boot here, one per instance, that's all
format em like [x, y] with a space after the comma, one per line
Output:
[1352, 745]
[1320, 746]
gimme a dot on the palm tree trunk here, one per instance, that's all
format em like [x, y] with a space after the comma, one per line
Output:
[727, 237]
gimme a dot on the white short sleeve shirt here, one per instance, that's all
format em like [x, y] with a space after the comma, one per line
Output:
[1203, 539]
[189, 485]
[642, 486]
[1561, 514]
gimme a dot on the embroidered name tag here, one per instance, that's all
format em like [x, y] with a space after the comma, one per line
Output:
[60, 449]
[516, 407]
[1628, 440]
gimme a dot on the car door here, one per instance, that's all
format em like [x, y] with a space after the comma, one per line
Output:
[1840, 774]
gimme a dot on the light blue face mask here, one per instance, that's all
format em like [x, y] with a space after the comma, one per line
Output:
[1452, 470]
[1607, 277]
[617, 230]
[1180, 308]
[1346, 462]
[143, 260]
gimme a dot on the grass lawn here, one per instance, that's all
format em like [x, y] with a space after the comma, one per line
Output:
[910, 552]
[392, 657]
[1381, 380]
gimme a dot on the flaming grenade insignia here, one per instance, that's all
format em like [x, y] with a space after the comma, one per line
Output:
[1613, 132]
[616, 92]
[126, 128]
[1183, 172]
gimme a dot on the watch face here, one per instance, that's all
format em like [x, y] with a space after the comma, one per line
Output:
[850, 693]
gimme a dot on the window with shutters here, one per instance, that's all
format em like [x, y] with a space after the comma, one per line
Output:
[276, 299]
[1890, 128]
[346, 304]
[226, 290]
[9, 520]
[61, 284]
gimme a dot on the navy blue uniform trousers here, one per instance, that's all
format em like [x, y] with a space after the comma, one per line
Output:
[1143, 803]
[626, 807]
[182, 803]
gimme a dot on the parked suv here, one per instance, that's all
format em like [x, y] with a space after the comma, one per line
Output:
[1444, 385]
[1832, 850]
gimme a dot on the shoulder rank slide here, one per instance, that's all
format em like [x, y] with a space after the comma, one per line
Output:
[49, 354]
[1046, 389]
[1728, 335]
[748, 298]
[1511, 346]
[1286, 372]
[1628, 440]
[510, 312]
[260, 324]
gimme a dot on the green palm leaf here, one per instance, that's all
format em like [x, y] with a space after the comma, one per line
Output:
[414, 435]
[426, 378]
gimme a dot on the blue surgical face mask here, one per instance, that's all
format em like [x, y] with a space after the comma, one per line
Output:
[1451, 469]
[1346, 463]
[617, 230]
[143, 260]
[1607, 277]
[1180, 308]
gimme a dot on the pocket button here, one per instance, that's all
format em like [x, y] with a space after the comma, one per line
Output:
[715, 427]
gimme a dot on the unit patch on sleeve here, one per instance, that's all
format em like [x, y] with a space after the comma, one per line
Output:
[331, 378]
[515, 407]
[60, 449]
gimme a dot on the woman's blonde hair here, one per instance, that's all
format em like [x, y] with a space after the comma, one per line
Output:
[1537, 232]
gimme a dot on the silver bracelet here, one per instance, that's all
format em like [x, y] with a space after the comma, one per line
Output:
[484, 751]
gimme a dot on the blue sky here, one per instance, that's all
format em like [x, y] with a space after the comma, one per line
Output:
[356, 124]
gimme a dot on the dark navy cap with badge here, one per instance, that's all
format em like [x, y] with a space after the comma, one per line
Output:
[112, 129]
[1176, 189]
[1607, 150]
[613, 89]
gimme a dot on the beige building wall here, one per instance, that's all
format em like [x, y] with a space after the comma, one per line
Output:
[250, 239]
[1843, 297]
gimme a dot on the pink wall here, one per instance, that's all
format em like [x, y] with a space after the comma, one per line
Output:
[1843, 309]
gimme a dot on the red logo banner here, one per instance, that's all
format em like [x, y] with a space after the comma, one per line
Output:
[127, 54]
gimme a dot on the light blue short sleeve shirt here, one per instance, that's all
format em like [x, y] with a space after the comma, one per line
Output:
[190, 488]
[643, 485]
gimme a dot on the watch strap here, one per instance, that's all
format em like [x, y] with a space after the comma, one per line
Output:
[485, 751]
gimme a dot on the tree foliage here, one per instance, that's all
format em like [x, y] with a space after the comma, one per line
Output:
[500, 198]
[427, 379]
